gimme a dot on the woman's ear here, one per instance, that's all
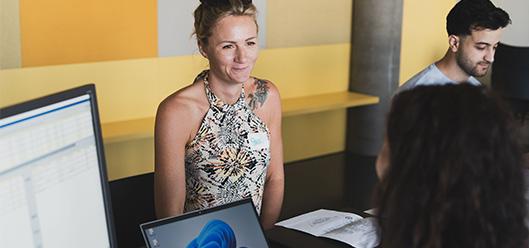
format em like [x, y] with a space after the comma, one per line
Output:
[454, 42]
[201, 49]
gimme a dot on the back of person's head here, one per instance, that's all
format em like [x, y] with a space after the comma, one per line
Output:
[455, 171]
[209, 12]
[468, 15]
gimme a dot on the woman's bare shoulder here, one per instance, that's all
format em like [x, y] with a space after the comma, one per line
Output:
[187, 102]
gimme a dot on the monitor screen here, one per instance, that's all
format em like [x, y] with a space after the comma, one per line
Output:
[232, 225]
[53, 184]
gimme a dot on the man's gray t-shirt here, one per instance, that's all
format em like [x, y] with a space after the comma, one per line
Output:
[431, 75]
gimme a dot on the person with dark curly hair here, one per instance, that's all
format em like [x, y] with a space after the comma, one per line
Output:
[455, 172]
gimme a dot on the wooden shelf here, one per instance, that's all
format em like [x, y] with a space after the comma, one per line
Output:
[324, 102]
[144, 127]
[128, 130]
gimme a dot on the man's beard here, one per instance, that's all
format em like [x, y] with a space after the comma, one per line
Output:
[470, 68]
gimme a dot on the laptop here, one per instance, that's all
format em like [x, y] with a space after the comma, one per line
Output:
[232, 225]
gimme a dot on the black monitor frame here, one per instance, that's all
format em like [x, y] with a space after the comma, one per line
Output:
[510, 72]
[65, 95]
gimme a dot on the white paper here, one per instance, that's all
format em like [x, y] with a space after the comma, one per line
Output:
[372, 211]
[346, 227]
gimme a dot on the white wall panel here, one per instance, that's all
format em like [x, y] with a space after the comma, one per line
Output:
[516, 34]
[9, 34]
[175, 26]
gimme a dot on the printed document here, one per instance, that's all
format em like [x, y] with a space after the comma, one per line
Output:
[346, 227]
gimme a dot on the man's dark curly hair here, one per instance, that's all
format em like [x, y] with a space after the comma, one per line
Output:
[455, 171]
[468, 15]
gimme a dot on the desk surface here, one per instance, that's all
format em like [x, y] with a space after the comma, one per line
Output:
[280, 237]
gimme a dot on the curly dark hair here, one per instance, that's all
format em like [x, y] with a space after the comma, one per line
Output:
[455, 171]
[468, 15]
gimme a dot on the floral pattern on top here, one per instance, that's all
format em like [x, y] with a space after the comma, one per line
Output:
[228, 158]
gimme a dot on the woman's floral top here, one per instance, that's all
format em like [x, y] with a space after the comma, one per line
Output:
[228, 158]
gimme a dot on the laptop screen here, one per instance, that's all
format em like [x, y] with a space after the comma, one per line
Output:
[232, 225]
[53, 184]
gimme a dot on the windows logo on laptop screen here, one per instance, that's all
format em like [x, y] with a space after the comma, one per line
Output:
[231, 225]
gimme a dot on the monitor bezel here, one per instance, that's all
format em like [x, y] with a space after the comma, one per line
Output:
[43, 101]
[160, 222]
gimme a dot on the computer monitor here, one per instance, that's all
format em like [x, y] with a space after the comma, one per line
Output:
[53, 183]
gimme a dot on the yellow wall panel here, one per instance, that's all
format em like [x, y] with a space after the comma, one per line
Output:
[424, 38]
[129, 158]
[307, 70]
[75, 31]
[127, 89]
[312, 135]
[302, 22]
[131, 89]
